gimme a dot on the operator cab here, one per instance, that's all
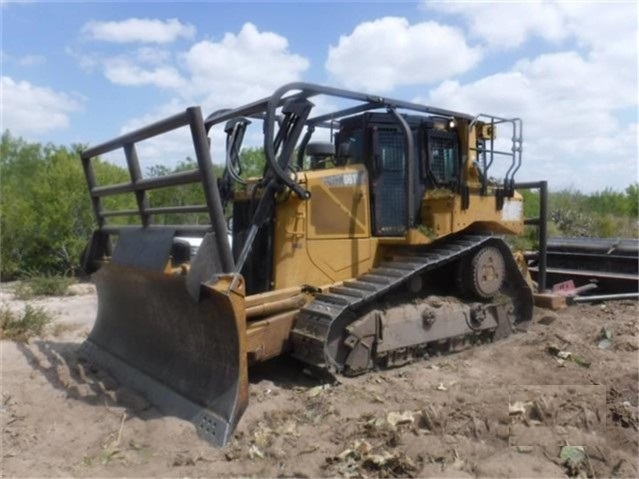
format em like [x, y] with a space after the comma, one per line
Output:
[377, 141]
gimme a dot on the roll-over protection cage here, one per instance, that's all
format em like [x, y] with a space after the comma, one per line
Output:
[284, 114]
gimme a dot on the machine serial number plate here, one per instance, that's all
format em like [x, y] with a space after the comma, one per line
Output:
[346, 179]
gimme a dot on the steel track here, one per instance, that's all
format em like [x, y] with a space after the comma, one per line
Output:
[329, 312]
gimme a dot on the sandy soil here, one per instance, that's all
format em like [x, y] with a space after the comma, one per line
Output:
[499, 410]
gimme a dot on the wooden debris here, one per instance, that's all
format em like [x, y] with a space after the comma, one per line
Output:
[553, 302]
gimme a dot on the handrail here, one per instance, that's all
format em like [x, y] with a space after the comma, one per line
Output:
[515, 152]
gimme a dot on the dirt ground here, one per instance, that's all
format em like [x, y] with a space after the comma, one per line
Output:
[507, 409]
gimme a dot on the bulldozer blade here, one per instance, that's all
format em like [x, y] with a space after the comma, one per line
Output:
[187, 357]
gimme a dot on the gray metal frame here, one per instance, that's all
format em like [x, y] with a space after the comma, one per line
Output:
[266, 109]
[542, 226]
[285, 113]
[204, 174]
[515, 152]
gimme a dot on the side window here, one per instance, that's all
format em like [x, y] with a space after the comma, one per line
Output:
[443, 158]
[351, 146]
[391, 146]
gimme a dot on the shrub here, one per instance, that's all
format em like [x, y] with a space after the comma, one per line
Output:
[43, 285]
[45, 216]
[20, 327]
[23, 291]
[572, 222]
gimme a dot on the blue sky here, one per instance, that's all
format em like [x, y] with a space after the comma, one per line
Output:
[84, 72]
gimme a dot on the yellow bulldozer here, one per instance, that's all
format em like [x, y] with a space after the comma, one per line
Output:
[375, 246]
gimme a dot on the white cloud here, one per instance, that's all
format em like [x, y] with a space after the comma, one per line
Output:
[132, 68]
[569, 100]
[242, 67]
[382, 54]
[29, 109]
[569, 119]
[123, 71]
[153, 55]
[167, 149]
[594, 24]
[142, 30]
[507, 24]
[239, 68]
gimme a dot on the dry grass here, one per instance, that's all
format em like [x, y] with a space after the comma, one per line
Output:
[21, 326]
[43, 286]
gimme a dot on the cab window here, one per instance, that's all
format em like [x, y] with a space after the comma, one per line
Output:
[351, 145]
[443, 158]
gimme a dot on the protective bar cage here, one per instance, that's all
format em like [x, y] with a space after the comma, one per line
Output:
[139, 186]
[486, 154]
[265, 109]
[284, 114]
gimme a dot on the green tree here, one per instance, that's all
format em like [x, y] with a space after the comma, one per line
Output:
[632, 197]
[253, 161]
[608, 201]
[45, 210]
[606, 213]
[183, 195]
[531, 203]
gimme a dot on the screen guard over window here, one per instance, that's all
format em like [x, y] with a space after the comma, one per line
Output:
[443, 158]
[389, 182]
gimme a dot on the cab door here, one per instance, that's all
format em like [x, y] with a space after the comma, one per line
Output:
[388, 181]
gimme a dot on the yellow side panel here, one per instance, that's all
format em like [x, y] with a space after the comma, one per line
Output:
[291, 264]
[299, 260]
[327, 238]
[339, 204]
[443, 215]
[342, 259]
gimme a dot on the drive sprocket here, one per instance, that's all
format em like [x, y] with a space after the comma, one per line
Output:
[486, 272]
